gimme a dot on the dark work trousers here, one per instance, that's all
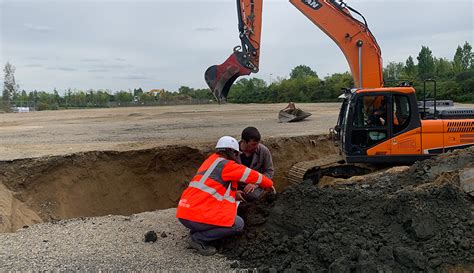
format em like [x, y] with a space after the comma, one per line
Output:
[205, 233]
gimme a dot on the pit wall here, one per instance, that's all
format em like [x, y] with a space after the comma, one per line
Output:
[121, 183]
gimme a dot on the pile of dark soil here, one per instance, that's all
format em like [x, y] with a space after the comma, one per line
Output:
[419, 220]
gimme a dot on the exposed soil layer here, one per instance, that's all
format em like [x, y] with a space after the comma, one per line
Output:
[414, 219]
[120, 183]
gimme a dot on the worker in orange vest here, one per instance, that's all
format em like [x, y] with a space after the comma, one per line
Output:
[208, 207]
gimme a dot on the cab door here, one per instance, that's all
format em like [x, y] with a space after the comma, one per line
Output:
[405, 126]
[370, 125]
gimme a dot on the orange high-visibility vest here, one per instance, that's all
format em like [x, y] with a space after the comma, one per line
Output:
[210, 196]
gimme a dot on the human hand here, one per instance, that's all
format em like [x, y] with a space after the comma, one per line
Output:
[250, 188]
[239, 196]
[272, 189]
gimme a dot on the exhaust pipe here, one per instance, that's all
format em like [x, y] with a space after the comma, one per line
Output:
[220, 78]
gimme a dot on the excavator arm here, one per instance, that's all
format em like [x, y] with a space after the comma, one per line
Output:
[245, 58]
[333, 17]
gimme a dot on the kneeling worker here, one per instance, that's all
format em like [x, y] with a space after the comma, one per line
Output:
[208, 206]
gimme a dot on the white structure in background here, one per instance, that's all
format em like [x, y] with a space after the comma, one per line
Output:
[20, 109]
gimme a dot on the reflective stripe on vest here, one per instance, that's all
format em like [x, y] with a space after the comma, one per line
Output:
[259, 180]
[246, 175]
[213, 192]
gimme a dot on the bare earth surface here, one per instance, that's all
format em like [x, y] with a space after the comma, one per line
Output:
[116, 242]
[115, 164]
[34, 134]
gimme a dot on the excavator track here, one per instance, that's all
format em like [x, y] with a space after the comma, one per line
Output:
[333, 166]
[312, 169]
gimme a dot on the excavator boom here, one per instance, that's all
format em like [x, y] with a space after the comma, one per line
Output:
[332, 16]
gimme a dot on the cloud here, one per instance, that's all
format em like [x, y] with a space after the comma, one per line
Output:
[37, 28]
[91, 60]
[132, 77]
[33, 65]
[62, 68]
[97, 70]
[206, 29]
[110, 66]
[66, 69]
[36, 58]
[120, 59]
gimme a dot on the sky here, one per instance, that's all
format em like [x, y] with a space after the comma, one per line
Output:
[156, 44]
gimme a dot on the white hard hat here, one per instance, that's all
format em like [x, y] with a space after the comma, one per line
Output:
[228, 142]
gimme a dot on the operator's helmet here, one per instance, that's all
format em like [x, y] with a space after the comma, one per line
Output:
[227, 142]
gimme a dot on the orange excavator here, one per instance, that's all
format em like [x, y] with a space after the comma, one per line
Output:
[376, 124]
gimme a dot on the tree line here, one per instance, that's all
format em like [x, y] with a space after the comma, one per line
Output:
[455, 80]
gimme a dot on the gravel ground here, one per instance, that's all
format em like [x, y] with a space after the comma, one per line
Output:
[105, 243]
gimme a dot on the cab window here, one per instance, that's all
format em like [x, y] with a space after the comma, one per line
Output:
[371, 111]
[401, 113]
[370, 121]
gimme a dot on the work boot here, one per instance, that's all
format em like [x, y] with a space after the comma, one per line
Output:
[203, 248]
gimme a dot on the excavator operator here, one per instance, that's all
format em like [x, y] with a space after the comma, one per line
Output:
[379, 116]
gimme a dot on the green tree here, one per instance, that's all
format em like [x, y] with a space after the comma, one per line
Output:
[248, 90]
[467, 56]
[426, 65]
[410, 68]
[21, 99]
[443, 68]
[185, 90]
[137, 92]
[457, 61]
[465, 81]
[124, 96]
[9, 86]
[393, 71]
[302, 71]
[336, 82]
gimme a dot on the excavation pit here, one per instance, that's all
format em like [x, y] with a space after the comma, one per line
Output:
[120, 183]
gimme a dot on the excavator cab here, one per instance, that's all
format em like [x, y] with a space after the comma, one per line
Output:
[371, 122]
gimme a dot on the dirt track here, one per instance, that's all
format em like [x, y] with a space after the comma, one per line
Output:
[38, 134]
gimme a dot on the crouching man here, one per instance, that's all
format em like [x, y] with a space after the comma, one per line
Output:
[257, 157]
[208, 206]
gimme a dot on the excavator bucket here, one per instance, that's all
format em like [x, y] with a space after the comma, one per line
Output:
[220, 78]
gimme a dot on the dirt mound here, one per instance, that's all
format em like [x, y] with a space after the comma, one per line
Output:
[120, 183]
[416, 220]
